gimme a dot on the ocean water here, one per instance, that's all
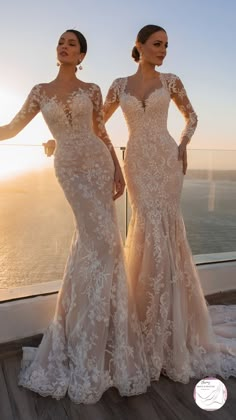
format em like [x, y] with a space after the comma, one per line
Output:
[36, 223]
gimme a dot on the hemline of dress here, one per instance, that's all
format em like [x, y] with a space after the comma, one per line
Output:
[87, 402]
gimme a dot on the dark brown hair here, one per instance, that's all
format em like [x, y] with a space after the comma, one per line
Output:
[81, 39]
[143, 36]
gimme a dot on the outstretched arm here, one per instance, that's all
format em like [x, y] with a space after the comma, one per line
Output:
[23, 117]
[112, 100]
[100, 130]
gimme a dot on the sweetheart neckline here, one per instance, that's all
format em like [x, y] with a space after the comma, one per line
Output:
[141, 101]
[144, 100]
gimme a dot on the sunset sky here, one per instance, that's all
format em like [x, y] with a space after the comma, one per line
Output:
[202, 37]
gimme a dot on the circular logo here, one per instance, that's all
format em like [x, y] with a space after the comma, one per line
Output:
[210, 394]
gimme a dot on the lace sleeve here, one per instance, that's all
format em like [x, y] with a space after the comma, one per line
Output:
[98, 121]
[112, 99]
[28, 111]
[179, 96]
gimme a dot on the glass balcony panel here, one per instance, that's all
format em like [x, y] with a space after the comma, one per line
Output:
[36, 223]
[209, 201]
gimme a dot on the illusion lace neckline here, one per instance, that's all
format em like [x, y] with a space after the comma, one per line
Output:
[66, 103]
[68, 98]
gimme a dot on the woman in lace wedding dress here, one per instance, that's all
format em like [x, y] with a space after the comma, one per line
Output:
[95, 341]
[179, 337]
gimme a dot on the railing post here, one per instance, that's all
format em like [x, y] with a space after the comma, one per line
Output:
[126, 196]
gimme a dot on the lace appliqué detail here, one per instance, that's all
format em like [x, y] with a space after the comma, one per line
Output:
[179, 334]
[99, 125]
[95, 340]
[179, 96]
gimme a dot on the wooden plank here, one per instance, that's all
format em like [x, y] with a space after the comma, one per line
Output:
[165, 399]
[117, 405]
[230, 404]
[5, 406]
[149, 406]
[98, 411]
[22, 401]
[180, 396]
[50, 408]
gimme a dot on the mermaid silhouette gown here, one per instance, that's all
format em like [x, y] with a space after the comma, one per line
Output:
[178, 333]
[94, 341]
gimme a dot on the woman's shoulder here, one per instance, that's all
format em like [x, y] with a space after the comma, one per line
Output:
[90, 87]
[172, 82]
[118, 83]
[39, 88]
[170, 76]
[35, 92]
[120, 79]
[44, 85]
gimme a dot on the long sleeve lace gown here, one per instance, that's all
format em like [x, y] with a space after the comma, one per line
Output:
[178, 333]
[94, 341]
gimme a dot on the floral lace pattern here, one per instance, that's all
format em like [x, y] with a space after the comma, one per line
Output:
[95, 340]
[180, 339]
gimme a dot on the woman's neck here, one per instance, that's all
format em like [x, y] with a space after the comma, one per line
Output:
[66, 74]
[146, 71]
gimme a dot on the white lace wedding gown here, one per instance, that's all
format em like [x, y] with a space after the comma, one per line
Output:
[94, 341]
[177, 329]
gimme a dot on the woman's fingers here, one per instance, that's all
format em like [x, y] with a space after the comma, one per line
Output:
[119, 183]
[119, 189]
[48, 151]
[49, 147]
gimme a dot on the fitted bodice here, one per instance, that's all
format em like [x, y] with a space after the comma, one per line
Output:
[148, 117]
[69, 120]
[75, 121]
[151, 155]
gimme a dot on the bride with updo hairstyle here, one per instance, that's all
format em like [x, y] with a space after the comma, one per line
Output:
[142, 37]
[135, 54]
[178, 329]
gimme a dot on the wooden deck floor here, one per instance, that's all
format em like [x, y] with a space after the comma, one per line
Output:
[165, 399]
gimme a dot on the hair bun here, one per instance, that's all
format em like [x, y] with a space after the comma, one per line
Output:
[135, 54]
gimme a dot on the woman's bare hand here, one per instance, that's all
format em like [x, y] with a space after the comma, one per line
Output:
[49, 147]
[119, 183]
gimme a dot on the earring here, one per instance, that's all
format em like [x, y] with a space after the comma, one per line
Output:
[58, 64]
[80, 67]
